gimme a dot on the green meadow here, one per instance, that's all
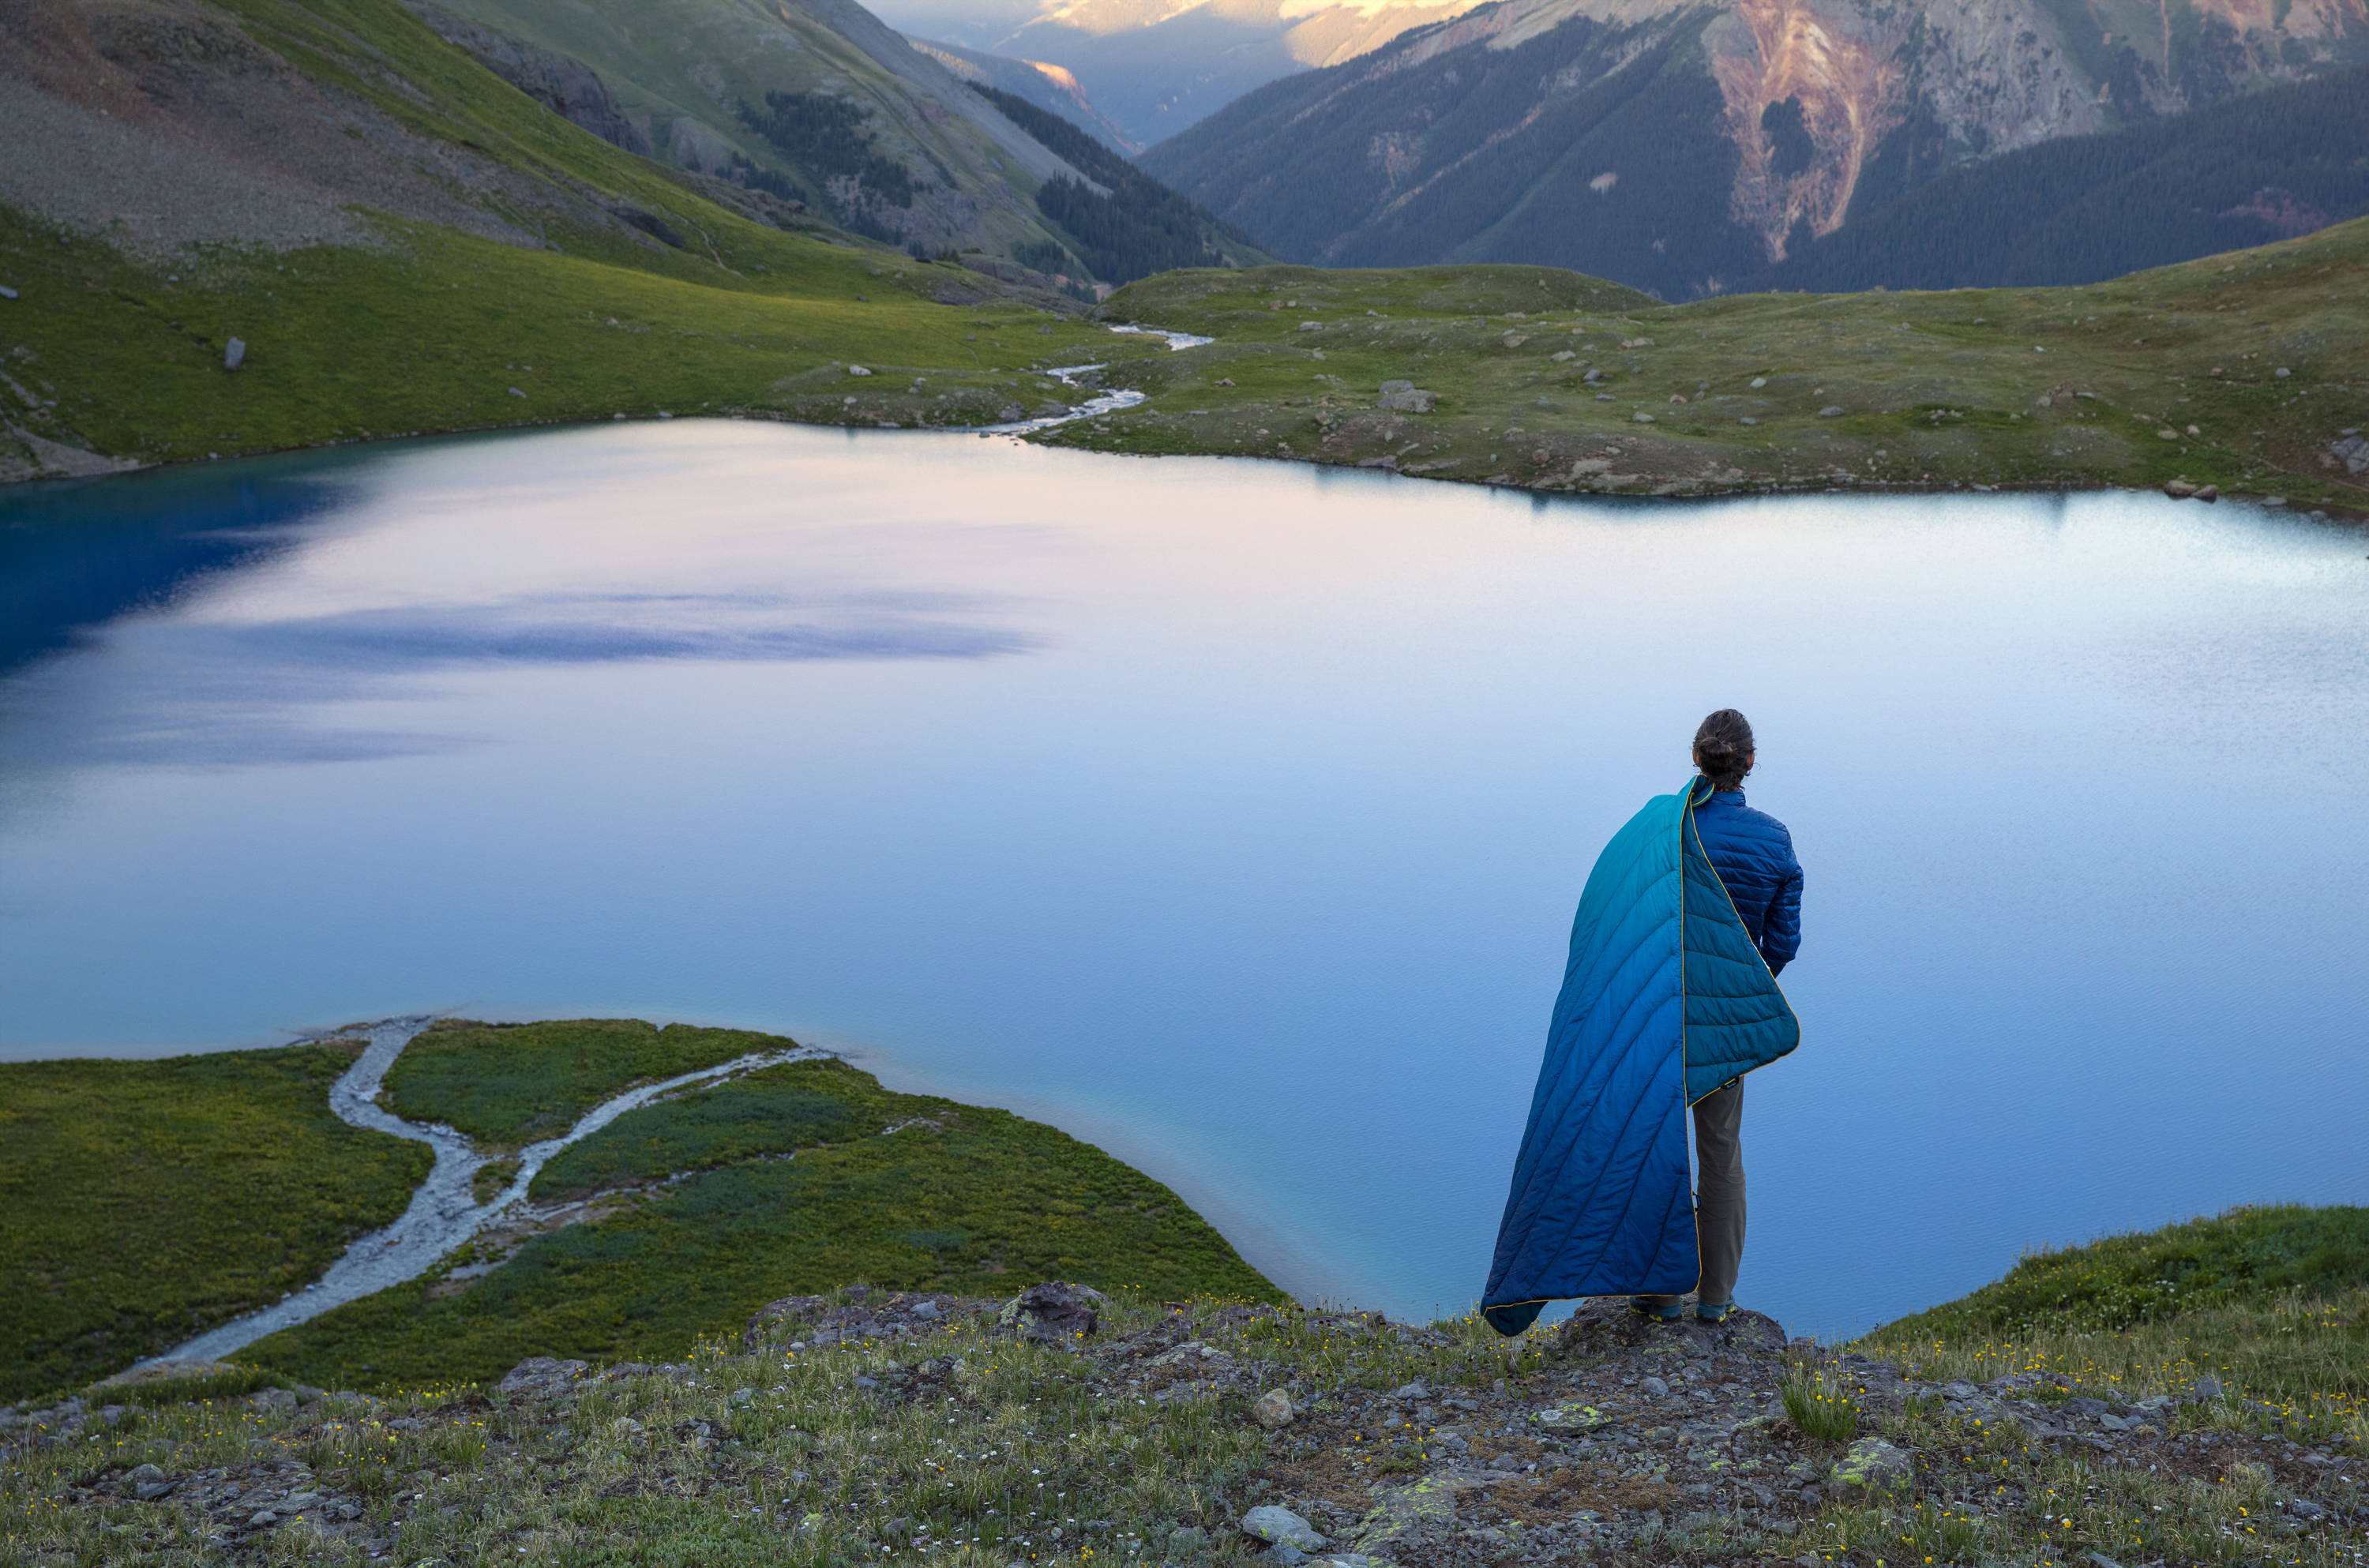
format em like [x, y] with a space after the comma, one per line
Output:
[144, 1202]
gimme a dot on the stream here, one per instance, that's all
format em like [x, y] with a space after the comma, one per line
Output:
[1103, 403]
[444, 1212]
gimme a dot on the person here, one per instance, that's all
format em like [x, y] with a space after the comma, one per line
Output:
[1668, 1000]
[1753, 854]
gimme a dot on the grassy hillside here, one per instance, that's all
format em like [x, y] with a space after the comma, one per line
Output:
[509, 1085]
[793, 1179]
[822, 96]
[144, 1202]
[2240, 371]
[2274, 1301]
[551, 276]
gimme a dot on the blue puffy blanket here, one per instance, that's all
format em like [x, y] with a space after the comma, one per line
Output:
[1666, 999]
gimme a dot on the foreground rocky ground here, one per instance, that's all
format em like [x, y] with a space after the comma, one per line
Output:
[1062, 1425]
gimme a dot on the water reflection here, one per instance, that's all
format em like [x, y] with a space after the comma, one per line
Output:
[1230, 814]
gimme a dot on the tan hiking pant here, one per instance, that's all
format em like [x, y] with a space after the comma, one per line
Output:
[1719, 1194]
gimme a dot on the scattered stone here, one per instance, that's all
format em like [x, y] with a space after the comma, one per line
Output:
[1311, 327]
[1416, 1390]
[6, 292]
[1053, 1312]
[1640, 418]
[2208, 493]
[2167, 434]
[2281, 373]
[2098, 1560]
[742, 1396]
[1637, 343]
[1562, 357]
[273, 1401]
[1874, 1465]
[858, 370]
[233, 353]
[1281, 1527]
[1758, 381]
[1655, 1387]
[1572, 1418]
[1831, 411]
[2304, 1508]
[1593, 376]
[1515, 339]
[925, 1308]
[2353, 449]
[1405, 397]
[1272, 1410]
[626, 1425]
[2178, 489]
[516, 393]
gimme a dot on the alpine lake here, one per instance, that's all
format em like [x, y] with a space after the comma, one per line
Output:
[1227, 814]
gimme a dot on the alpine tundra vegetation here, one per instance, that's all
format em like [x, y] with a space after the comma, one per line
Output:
[1063, 1426]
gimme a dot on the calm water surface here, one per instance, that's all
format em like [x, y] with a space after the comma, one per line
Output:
[1227, 814]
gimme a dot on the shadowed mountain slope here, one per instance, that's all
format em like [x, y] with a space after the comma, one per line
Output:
[1683, 147]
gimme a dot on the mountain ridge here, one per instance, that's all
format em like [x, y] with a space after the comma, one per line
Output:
[1516, 132]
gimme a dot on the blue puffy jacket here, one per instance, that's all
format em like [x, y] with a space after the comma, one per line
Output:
[1754, 855]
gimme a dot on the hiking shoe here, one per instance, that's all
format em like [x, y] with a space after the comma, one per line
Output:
[1713, 1312]
[1654, 1310]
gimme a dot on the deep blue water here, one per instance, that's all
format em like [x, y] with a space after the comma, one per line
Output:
[1227, 814]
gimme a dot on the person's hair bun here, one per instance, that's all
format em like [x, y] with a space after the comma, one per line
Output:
[1724, 748]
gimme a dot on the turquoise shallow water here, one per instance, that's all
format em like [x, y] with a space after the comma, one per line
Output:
[1227, 814]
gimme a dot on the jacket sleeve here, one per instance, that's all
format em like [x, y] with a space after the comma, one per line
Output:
[1781, 931]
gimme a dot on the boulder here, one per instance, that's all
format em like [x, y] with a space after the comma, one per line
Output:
[1281, 1527]
[2351, 448]
[1405, 397]
[1640, 418]
[540, 1376]
[1411, 1523]
[1055, 1312]
[233, 353]
[7, 293]
[1272, 1410]
[1873, 1465]
[858, 370]
[1831, 411]
[2178, 489]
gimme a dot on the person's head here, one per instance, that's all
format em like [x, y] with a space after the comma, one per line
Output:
[1724, 748]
